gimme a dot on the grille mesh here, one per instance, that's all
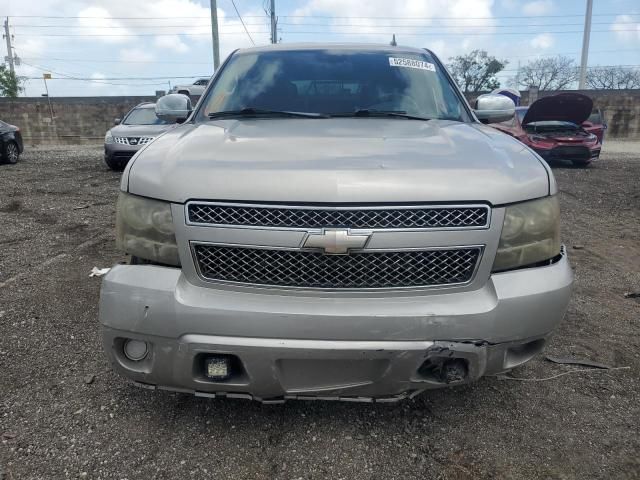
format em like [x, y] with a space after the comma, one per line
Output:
[296, 268]
[132, 140]
[427, 217]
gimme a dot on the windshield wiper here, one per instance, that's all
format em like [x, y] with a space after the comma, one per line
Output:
[258, 112]
[366, 112]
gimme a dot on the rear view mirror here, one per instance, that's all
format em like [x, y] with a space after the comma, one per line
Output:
[494, 108]
[116, 121]
[174, 108]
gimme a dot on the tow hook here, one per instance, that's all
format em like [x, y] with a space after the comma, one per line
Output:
[453, 371]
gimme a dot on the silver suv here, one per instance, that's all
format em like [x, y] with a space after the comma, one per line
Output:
[139, 127]
[332, 222]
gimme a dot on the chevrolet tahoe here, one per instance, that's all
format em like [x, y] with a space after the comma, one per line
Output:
[332, 222]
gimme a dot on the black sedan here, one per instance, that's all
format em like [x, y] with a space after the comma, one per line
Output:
[11, 143]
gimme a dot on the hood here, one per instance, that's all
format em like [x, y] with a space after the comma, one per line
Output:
[139, 130]
[340, 160]
[564, 107]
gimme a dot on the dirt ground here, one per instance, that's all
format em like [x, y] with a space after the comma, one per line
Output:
[64, 414]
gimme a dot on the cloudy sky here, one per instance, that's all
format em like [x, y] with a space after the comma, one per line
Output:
[121, 47]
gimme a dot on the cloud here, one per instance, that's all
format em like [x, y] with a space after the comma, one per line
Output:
[542, 41]
[98, 21]
[509, 4]
[136, 54]
[626, 30]
[171, 42]
[537, 7]
[377, 20]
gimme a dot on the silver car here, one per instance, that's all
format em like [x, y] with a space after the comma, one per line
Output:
[332, 222]
[138, 128]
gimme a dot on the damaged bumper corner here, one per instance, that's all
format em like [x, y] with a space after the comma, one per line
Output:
[274, 371]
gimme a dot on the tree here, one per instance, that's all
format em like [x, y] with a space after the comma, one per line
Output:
[476, 71]
[9, 83]
[551, 73]
[613, 78]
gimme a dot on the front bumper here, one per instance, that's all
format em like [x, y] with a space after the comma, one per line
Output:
[569, 152]
[120, 152]
[329, 347]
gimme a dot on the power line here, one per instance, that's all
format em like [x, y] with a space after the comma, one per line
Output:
[317, 32]
[334, 16]
[515, 25]
[191, 25]
[171, 62]
[94, 80]
[577, 67]
[242, 21]
[138, 34]
[75, 77]
[466, 34]
[385, 17]
[102, 60]
[70, 77]
[306, 24]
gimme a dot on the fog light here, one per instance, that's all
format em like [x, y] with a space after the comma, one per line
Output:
[135, 350]
[217, 367]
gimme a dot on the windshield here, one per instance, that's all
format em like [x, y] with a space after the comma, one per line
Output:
[143, 116]
[335, 82]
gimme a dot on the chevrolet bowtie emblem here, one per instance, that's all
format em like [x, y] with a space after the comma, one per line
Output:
[336, 242]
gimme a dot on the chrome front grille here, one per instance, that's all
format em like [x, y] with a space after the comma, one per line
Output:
[310, 269]
[134, 141]
[414, 217]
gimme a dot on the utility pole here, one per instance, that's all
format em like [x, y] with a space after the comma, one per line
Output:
[45, 77]
[214, 35]
[585, 46]
[9, 56]
[274, 23]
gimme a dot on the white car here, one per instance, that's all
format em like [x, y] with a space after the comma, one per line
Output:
[194, 90]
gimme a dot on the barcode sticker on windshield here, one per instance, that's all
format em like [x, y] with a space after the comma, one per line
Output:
[411, 63]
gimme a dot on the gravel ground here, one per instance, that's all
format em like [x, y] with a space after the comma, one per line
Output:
[64, 414]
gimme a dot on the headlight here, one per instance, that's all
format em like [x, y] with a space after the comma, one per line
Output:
[144, 228]
[530, 234]
[108, 138]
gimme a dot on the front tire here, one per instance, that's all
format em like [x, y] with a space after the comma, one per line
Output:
[11, 153]
[184, 92]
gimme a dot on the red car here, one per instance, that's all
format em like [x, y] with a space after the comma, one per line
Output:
[552, 127]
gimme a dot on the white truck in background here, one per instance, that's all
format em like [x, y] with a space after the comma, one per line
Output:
[194, 90]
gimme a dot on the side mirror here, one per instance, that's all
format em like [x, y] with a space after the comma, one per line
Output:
[174, 108]
[116, 121]
[494, 108]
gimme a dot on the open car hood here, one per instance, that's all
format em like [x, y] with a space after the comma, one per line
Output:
[564, 107]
